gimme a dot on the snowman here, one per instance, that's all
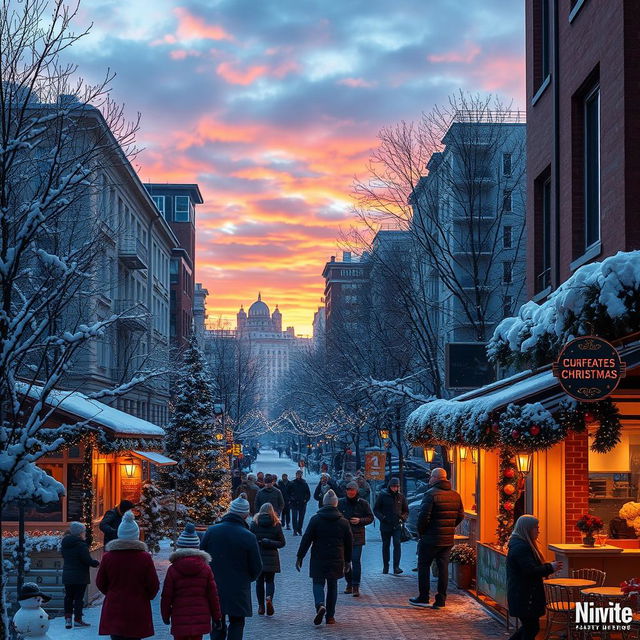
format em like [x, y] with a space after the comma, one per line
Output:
[31, 620]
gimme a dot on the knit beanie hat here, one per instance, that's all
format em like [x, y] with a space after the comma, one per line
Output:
[239, 506]
[394, 482]
[352, 485]
[128, 529]
[188, 539]
[330, 499]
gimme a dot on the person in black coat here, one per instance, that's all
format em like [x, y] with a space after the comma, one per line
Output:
[329, 536]
[326, 483]
[526, 569]
[299, 494]
[75, 572]
[358, 512]
[267, 529]
[283, 486]
[441, 512]
[392, 510]
[112, 519]
[269, 493]
[236, 563]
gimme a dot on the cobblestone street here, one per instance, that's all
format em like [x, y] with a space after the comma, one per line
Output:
[382, 611]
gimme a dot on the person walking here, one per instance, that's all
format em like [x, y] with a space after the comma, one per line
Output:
[441, 512]
[75, 573]
[128, 579]
[112, 519]
[299, 495]
[271, 494]
[326, 483]
[392, 510]
[236, 563]
[189, 600]
[267, 529]
[260, 479]
[250, 489]
[364, 488]
[329, 536]
[526, 569]
[236, 479]
[358, 512]
[283, 486]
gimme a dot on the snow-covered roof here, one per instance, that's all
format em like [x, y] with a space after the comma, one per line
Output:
[80, 405]
[155, 458]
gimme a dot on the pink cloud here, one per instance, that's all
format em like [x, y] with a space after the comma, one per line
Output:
[237, 76]
[356, 82]
[192, 27]
[465, 56]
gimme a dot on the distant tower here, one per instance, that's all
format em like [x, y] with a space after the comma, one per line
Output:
[241, 318]
[277, 320]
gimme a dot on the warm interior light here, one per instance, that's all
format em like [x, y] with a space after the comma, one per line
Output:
[384, 433]
[219, 436]
[429, 453]
[523, 461]
[450, 454]
[474, 455]
[129, 467]
[464, 452]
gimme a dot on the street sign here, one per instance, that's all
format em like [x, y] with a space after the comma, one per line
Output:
[589, 368]
[374, 464]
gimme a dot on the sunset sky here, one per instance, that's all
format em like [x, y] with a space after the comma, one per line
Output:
[273, 106]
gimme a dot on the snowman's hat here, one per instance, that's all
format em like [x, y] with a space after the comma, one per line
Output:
[32, 590]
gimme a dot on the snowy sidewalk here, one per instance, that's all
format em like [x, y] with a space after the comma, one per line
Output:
[382, 611]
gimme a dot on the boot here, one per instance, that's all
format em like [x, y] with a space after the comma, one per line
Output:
[320, 611]
[261, 609]
[270, 609]
[355, 591]
[385, 569]
[67, 622]
[438, 603]
[349, 589]
[79, 622]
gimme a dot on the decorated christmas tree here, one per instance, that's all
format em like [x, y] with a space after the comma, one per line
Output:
[152, 518]
[201, 476]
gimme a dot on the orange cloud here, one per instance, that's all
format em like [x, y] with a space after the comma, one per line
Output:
[237, 76]
[192, 27]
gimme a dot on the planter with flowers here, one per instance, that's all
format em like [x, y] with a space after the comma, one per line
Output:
[631, 588]
[589, 525]
[463, 557]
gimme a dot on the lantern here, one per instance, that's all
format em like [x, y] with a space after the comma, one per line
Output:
[464, 452]
[474, 455]
[523, 461]
[429, 453]
[450, 454]
[384, 434]
[219, 436]
[129, 467]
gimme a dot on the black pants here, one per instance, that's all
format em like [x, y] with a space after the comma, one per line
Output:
[285, 518]
[426, 555]
[297, 517]
[73, 600]
[123, 638]
[265, 578]
[528, 629]
[231, 631]
[331, 596]
[387, 536]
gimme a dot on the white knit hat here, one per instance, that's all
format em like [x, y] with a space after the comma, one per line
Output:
[128, 529]
[330, 499]
[239, 506]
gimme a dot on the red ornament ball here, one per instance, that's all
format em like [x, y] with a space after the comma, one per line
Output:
[515, 434]
[495, 427]
[509, 473]
[535, 430]
[508, 506]
[509, 489]
[589, 418]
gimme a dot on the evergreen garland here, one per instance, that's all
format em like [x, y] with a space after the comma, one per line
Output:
[508, 495]
[529, 427]
[87, 486]
[201, 476]
[152, 518]
[577, 416]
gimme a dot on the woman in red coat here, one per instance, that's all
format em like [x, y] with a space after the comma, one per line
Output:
[128, 579]
[189, 595]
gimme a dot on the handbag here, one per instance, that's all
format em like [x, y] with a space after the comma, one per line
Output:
[405, 536]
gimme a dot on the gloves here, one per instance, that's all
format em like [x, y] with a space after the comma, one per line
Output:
[298, 564]
[347, 567]
[217, 625]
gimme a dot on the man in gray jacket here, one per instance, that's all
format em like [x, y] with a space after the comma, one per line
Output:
[441, 512]
[271, 494]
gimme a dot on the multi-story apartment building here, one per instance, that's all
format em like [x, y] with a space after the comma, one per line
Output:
[468, 227]
[583, 156]
[177, 204]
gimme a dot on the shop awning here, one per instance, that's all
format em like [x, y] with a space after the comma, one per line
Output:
[155, 458]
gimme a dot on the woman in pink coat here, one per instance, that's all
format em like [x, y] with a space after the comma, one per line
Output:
[189, 595]
[128, 579]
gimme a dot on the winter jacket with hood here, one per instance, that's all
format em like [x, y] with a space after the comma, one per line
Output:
[251, 490]
[391, 509]
[77, 560]
[272, 495]
[299, 492]
[356, 508]
[284, 490]
[525, 572]
[321, 489]
[329, 536]
[235, 561]
[189, 594]
[109, 525]
[128, 579]
[441, 512]
[270, 539]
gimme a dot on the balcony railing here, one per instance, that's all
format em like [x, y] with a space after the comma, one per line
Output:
[132, 252]
[133, 314]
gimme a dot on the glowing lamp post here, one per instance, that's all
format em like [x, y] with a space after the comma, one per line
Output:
[523, 462]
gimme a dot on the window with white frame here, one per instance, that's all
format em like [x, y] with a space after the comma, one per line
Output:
[181, 209]
[159, 202]
[592, 167]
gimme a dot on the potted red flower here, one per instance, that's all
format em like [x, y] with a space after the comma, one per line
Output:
[588, 525]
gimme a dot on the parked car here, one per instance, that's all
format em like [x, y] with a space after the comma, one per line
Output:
[416, 474]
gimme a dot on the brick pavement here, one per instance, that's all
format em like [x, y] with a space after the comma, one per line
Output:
[382, 611]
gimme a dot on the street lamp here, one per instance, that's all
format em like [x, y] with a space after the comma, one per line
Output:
[384, 434]
[474, 455]
[429, 453]
[523, 462]
[450, 454]
[129, 467]
[464, 452]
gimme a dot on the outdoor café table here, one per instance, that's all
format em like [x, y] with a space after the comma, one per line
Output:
[605, 592]
[571, 583]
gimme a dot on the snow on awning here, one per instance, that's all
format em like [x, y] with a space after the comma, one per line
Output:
[155, 458]
[84, 408]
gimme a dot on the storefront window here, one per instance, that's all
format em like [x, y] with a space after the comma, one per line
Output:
[467, 477]
[614, 479]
